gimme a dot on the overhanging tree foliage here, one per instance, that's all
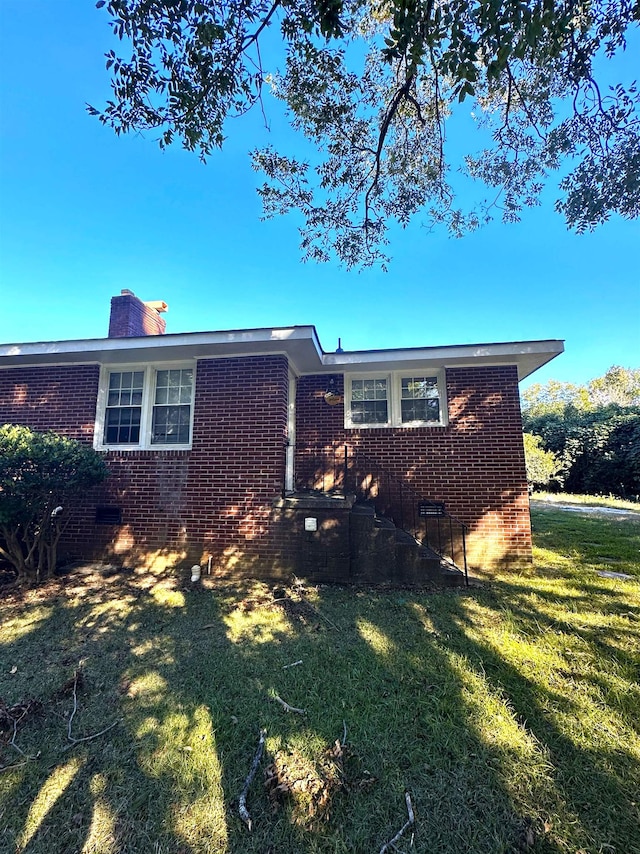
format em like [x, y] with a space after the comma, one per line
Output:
[39, 474]
[372, 85]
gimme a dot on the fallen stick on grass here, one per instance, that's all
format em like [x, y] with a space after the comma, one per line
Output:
[23, 710]
[326, 619]
[71, 738]
[13, 744]
[293, 664]
[409, 823]
[242, 800]
[308, 605]
[287, 707]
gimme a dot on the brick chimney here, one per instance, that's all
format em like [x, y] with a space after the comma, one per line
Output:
[131, 317]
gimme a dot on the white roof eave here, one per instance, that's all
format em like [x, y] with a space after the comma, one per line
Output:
[299, 343]
[527, 355]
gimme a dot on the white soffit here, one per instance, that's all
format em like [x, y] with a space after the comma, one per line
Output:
[299, 343]
[527, 355]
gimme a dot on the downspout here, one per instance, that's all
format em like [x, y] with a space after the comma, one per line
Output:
[289, 475]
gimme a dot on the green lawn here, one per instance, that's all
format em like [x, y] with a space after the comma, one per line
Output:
[590, 500]
[511, 713]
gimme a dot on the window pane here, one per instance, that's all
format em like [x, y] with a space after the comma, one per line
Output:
[123, 410]
[174, 386]
[122, 426]
[170, 425]
[427, 409]
[374, 389]
[378, 412]
[125, 388]
[419, 387]
[369, 412]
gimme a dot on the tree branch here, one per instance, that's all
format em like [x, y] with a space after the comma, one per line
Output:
[242, 800]
[71, 738]
[410, 821]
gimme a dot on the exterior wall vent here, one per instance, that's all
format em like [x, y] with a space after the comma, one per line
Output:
[108, 515]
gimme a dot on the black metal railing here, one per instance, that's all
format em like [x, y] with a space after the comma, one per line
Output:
[343, 470]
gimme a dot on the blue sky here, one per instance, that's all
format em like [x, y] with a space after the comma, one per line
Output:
[84, 214]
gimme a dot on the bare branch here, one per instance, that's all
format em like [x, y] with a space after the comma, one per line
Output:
[409, 823]
[392, 109]
[71, 738]
[242, 800]
[12, 743]
[524, 104]
[287, 707]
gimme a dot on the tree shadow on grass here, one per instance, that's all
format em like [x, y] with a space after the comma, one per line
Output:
[103, 794]
[403, 701]
[192, 674]
[595, 780]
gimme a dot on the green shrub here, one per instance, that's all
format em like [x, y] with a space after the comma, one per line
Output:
[39, 474]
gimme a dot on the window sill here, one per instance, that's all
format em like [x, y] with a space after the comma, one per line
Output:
[135, 448]
[410, 425]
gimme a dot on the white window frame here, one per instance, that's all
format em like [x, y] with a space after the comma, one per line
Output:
[348, 380]
[147, 405]
[394, 397]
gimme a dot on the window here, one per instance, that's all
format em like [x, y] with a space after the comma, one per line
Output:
[172, 407]
[124, 408]
[419, 399]
[369, 404]
[148, 407]
[395, 400]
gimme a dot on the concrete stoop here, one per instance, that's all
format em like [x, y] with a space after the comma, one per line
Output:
[380, 551]
[327, 538]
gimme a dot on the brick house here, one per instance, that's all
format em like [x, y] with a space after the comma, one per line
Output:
[255, 451]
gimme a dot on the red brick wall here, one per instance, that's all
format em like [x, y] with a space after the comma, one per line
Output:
[217, 498]
[475, 464]
[130, 317]
[57, 397]
[176, 505]
[237, 462]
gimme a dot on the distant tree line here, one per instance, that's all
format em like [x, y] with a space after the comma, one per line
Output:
[585, 438]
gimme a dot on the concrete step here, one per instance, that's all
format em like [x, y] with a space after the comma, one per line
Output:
[380, 551]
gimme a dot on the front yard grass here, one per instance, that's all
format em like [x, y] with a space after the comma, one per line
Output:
[510, 713]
